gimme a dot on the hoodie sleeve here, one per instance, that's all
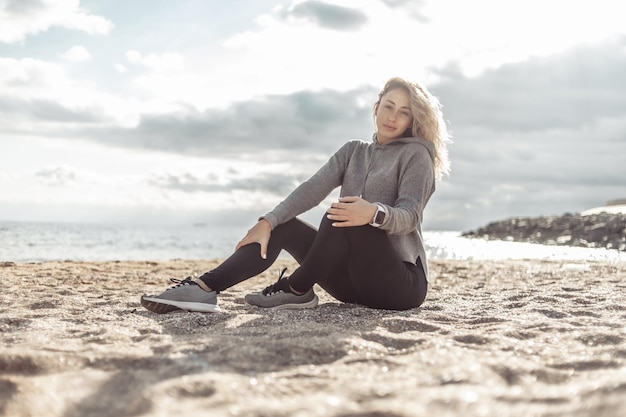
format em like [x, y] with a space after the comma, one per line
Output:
[416, 185]
[314, 190]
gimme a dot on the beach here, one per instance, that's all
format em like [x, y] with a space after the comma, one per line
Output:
[494, 338]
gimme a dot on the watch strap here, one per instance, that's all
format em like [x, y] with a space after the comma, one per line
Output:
[379, 215]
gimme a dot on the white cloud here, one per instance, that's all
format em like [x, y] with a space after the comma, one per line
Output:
[328, 15]
[292, 48]
[42, 97]
[165, 79]
[76, 54]
[485, 34]
[157, 62]
[21, 18]
[77, 176]
[57, 176]
[477, 35]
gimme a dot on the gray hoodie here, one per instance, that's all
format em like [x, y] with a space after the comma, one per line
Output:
[399, 175]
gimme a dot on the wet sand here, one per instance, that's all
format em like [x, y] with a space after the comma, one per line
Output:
[494, 338]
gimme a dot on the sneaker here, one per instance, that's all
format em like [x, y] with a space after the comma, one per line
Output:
[279, 296]
[185, 295]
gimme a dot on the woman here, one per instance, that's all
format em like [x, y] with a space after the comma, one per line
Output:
[369, 248]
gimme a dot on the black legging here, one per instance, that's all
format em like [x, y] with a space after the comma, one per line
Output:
[353, 264]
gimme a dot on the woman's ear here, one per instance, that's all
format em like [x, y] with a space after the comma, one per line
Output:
[376, 109]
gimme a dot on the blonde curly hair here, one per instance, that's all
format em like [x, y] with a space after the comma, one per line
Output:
[428, 122]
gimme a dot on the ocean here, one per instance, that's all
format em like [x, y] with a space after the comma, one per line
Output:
[36, 242]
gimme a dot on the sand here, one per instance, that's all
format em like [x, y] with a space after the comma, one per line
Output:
[501, 338]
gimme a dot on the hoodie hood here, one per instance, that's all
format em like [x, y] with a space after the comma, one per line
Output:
[430, 147]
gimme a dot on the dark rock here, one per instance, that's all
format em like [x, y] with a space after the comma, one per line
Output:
[602, 230]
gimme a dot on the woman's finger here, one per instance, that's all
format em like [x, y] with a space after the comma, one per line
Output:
[345, 223]
[263, 249]
[348, 199]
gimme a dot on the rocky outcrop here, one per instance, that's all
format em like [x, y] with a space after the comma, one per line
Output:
[602, 230]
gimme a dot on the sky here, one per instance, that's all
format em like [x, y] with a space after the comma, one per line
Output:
[210, 111]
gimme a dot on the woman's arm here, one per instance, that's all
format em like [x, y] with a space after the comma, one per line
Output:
[306, 196]
[313, 191]
[416, 185]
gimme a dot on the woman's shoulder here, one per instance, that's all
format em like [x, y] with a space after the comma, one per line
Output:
[352, 144]
[417, 146]
[358, 142]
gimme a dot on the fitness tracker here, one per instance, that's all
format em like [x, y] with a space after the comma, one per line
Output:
[379, 216]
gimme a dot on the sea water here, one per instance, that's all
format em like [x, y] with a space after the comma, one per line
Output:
[36, 242]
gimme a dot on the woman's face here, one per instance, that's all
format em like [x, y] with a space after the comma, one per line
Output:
[393, 115]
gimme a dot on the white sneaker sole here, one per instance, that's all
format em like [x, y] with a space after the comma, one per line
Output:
[186, 305]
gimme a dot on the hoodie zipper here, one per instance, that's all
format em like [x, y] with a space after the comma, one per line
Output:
[371, 165]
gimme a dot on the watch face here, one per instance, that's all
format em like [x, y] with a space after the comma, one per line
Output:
[380, 217]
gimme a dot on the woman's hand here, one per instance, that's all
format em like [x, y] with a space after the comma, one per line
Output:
[351, 211]
[259, 233]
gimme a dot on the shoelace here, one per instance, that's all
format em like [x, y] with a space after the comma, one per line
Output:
[180, 283]
[275, 287]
